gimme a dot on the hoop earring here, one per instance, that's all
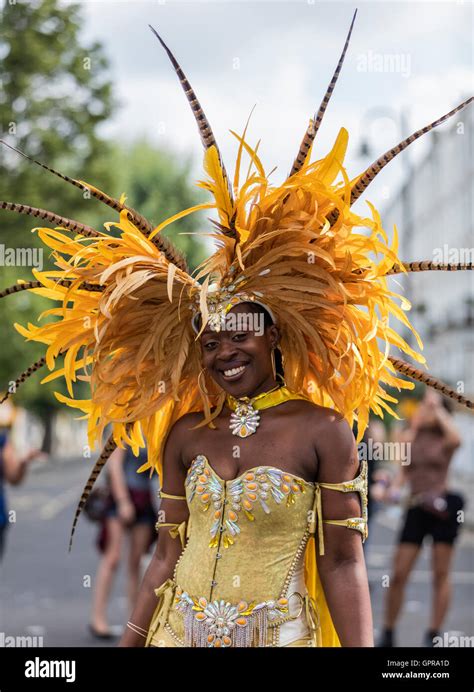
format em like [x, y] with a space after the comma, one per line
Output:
[281, 377]
[273, 364]
[203, 391]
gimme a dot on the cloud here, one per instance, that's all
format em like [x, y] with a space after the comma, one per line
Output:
[281, 56]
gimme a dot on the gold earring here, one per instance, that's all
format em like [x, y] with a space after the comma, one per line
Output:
[203, 391]
[273, 364]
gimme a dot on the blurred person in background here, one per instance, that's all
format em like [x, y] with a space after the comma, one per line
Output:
[13, 467]
[130, 511]
[431, 510]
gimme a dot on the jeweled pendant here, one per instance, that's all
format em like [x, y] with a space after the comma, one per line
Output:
[244, 420]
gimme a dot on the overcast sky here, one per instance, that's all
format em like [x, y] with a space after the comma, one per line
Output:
[281, 56]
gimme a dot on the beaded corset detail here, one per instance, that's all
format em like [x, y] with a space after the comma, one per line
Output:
[260, 486]
[234, 582]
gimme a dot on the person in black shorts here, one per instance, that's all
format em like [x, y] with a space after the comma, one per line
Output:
[432, 510]
[441, 522]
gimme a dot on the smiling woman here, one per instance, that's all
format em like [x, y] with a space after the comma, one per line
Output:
[257, 461]
[235, 506]
[237, 353]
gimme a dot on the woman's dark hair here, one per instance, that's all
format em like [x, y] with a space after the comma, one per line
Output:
[267, 322]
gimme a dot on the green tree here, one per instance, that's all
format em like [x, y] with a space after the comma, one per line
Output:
[55, 94]
[157, 184]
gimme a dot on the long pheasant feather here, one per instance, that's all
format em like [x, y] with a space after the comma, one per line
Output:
[311, 132]
[161, 242]
[430, 381]
[427, 265]
[24, 376]
[364, 179]
[62, 221]
[207, 136]
[29, 285]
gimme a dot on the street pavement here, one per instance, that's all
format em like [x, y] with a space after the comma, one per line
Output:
[46, 591]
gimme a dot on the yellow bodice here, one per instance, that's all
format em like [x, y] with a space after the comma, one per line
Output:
[236, 582]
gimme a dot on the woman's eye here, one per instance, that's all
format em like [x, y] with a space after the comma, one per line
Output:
[239, 337]
[210, 345]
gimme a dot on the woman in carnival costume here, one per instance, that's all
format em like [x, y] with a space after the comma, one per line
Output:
[243, 380]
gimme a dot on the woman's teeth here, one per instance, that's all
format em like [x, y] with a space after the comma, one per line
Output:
[234, 371]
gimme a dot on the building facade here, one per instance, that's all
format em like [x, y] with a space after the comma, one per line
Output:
[438, 203]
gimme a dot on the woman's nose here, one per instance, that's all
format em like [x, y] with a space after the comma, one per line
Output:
[226, 349]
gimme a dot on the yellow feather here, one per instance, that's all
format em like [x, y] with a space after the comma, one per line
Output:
[180, 215]
[217, 185]
[171, 274]
[331, 165]
[59, 373]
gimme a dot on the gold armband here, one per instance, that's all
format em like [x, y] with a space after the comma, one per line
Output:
[170, 497]
[177, 530]
[358, 485]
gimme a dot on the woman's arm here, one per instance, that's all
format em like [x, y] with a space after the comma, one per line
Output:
[118, 486]
[15, 468]
[168, 549]
[448, 426]
[342, 567]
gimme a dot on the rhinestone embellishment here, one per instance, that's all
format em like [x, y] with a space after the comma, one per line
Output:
[220, 624]
[253, 487]
[245, 420]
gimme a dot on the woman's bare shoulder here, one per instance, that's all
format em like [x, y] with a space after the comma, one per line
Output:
[322, 416]
[182, 426]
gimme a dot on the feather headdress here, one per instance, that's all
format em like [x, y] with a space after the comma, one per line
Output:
[124, 305]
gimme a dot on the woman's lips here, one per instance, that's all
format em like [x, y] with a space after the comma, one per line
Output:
[233, 374]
